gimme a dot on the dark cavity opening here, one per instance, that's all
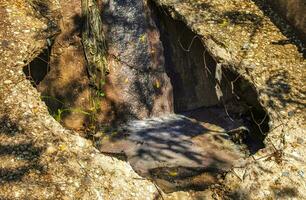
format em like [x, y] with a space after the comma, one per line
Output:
[38, 68]
[192, 71]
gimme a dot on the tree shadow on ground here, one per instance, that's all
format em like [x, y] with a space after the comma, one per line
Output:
[173, 148]
[285, 192]
[279, 90]
[284, 27]
[18, 158]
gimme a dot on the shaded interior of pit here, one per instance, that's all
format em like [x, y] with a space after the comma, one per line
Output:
[36, 70]
[189, 150]
[201, 117]
[192, 71]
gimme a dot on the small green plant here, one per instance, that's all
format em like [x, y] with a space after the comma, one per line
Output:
[58, 115]
[100, 93]
[92, 112]
[51, 98]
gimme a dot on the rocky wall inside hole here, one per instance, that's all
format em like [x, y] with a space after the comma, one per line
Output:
[36, 70]
[188, 64]
[192, 70]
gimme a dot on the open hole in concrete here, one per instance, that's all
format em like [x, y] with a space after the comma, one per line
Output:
[36, 70]
[59, 74]
[237, 115]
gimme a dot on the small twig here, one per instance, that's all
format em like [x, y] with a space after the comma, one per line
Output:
[42, 59]
[159, 192]
[190, 45]
[205, 64]
[232, 170]
[259, 125]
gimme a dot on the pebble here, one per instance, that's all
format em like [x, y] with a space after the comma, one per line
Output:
[8, 82]
[300, 140]
[246, 46]
[301, 173]
[285, 174]
[283, 113]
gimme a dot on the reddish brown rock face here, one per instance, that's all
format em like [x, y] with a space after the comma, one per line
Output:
[66, 85]
[137, 86]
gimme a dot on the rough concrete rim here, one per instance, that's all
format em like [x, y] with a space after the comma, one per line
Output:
[17, 89]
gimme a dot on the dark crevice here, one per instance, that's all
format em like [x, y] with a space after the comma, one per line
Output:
[192, 70]
[39, 67]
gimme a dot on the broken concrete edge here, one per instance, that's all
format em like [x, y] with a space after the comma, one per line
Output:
[21, 102]
[66, 67]
[41, 125]
[225, 58]
[22, 85]
[219, 53]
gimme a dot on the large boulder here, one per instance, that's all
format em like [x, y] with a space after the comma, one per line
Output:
[178, 152]
[137, 85]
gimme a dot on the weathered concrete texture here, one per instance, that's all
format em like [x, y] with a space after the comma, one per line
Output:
[39, 158]
[239, 35]
[294, 12]
[246, 42]
[137, 85]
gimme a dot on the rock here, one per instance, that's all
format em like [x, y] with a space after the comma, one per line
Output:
[7, 82]
[175, 151]
[66, 85]
[278, 63]
[137, 86]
